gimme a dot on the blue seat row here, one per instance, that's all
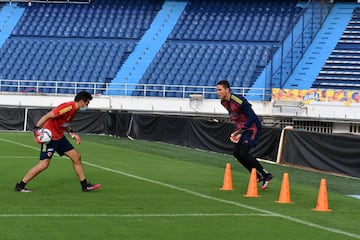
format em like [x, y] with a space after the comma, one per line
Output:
[200, 65]
[101, 19]
[87, 43]
[216, 40]
[234, 30]
[236, 21]
[58, 60]
[63, 88]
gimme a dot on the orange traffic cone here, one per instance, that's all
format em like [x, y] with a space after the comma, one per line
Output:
[322, 201]
[227, 183]
[284, 196]
[252, 190]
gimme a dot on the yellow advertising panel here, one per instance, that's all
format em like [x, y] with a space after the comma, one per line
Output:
[320, 95]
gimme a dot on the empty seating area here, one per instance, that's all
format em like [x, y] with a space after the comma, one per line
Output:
[55, 45]
[216, 39]
[61, 60]
[203, 64]
[100, 19]
[88, 43]
[214, 20]
[342, 70]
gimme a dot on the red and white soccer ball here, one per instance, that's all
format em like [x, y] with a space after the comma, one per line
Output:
[45, 135]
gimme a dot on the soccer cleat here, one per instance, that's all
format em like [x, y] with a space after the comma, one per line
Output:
[266, 181]
[90, 187]
[260, 179]
[20, 189]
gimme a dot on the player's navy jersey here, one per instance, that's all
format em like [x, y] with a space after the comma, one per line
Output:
[64, 114]
[241, 113]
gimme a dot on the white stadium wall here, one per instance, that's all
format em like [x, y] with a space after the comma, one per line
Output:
[337, 112]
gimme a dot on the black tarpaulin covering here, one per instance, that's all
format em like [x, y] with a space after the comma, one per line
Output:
[198, 133]
[12, 119]
[329, 152]
[89, 121]
[182, 131]
[33, 117]
[117, 123]
[268, 145]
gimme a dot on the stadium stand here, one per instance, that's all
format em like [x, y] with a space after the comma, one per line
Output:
[203, 64]
[235, 20]
[101, 19]
[89, 43]
[146, 49]
[61, 61]
[215, 40]
[67, 43]
[326, 28]
[341, 70]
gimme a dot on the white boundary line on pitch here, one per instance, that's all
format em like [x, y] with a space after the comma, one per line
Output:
[309, 224]
[140, 215]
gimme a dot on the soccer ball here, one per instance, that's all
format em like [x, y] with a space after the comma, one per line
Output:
[45, 135]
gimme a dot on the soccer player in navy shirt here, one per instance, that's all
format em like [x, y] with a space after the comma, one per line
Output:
[247, 133]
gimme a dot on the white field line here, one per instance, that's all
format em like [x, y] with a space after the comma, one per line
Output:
[138, 215]
[296, 220]
[355, 196]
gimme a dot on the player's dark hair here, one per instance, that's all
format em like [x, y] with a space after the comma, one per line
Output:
[224, 83]
[83, 95]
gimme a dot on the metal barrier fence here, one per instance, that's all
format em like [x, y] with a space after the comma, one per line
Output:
[298, 39]
[141, 90]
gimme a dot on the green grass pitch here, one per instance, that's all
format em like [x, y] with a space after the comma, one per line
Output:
[158, 191]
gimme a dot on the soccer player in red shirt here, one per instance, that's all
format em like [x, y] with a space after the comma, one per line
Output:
[248, 128]
[57, 121]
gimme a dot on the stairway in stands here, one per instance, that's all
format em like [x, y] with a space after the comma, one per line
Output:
[325, 41]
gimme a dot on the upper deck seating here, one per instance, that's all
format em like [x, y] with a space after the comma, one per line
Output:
[341, 70]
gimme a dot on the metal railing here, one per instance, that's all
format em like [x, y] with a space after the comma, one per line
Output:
[299, 38]
[122, 89]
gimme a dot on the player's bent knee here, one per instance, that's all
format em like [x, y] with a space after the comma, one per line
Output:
[76, 158]
[74, 155]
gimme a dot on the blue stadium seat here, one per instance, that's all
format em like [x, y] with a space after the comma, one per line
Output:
[340, 70]
[62, 34]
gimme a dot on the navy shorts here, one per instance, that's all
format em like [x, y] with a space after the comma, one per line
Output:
[250, 137]
[60, 146]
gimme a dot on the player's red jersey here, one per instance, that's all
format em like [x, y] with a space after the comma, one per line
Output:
[241, 113]
[64, 113]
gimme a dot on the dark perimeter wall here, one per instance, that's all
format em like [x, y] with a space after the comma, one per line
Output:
[329, 152]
